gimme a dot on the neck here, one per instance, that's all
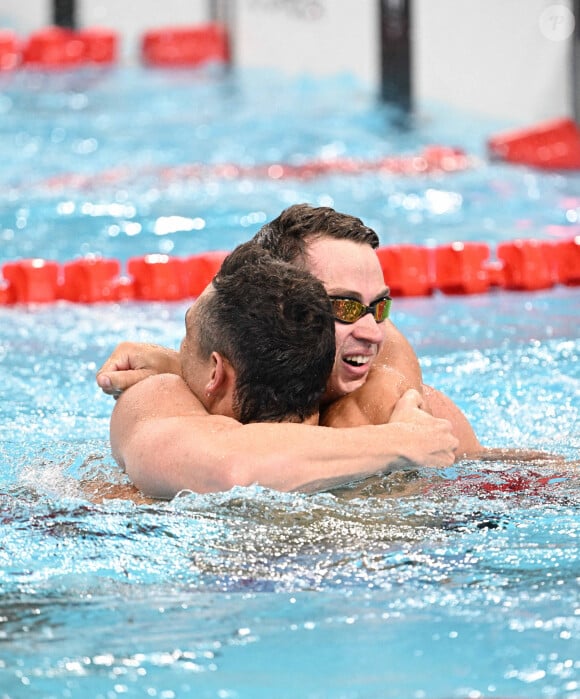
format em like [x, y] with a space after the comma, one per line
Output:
[220, 403]
[311, 420]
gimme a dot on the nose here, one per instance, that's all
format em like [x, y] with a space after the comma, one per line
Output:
[368, 330]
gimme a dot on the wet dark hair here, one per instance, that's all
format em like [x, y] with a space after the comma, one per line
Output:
[286, 236]
[274, 324]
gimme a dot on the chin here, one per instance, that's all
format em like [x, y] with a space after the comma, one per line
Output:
[343, 388]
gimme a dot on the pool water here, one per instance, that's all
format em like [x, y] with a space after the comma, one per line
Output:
[460, 582]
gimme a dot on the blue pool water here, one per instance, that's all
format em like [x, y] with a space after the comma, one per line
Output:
[427, 585]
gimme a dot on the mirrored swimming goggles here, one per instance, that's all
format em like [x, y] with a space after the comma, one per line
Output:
[348, 310]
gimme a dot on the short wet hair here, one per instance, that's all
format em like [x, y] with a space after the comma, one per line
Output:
[287, 235]
[273, 322]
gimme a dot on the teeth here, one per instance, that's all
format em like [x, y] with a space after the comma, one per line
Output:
[357, 360]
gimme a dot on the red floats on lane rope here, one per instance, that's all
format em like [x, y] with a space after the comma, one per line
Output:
[568, 261]
[185, 46]
[164, 278]
[9, 50]
[552, 145]
[158, 278]
[32, 281]
[91, 280]
[201, 269]
[101, 45]
[55, 47]
[430, 160]
[406, 269]
[461, 268]
[410, 270]
[527, 264]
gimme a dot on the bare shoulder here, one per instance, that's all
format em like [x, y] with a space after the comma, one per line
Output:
[160, 421]
[371, 404]
[442, 406]
[161, 395]
[397, 353]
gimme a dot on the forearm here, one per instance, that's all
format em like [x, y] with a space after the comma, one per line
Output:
[315, 458]
[282, 456]
[131, 362]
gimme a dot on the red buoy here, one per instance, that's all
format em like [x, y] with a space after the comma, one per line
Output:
[567, 254]
[32, 280]
[185, 46]
[53, 47]
[9, 50]
[158, 277]
[406, 269]
[90, 280]
[527, 264]
[201, 269]
[552, 145]
[460, 268]
[100, 45]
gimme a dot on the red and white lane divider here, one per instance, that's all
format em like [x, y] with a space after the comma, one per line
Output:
[55, 48]
[410, 270]
[553, 145]
[430, 160]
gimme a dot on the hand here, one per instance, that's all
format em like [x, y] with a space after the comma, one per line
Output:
[432, 442]
[132, 362]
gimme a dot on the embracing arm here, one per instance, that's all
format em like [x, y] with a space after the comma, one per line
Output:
[131, 362]
[398, 357]
[373, 403]
[166, 444]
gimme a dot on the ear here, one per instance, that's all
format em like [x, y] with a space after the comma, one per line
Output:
[220, 375]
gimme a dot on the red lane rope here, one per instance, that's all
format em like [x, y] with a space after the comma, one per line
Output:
[551, 145]
[410, 270]
[430, 160]
[56, 48]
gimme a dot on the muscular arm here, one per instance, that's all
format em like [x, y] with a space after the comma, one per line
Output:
[373, 402]
[396, 369]
[167, 444]
[131, 362]
[441, 405]
[398, 356]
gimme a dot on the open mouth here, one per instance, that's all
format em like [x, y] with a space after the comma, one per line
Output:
[356, 360]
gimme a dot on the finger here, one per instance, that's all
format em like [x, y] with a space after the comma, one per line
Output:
[115, 382]
[120, 358]
[413, 396]
[409, 401]
[117, 362]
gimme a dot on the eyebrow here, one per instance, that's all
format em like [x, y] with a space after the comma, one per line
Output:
[350, 294]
